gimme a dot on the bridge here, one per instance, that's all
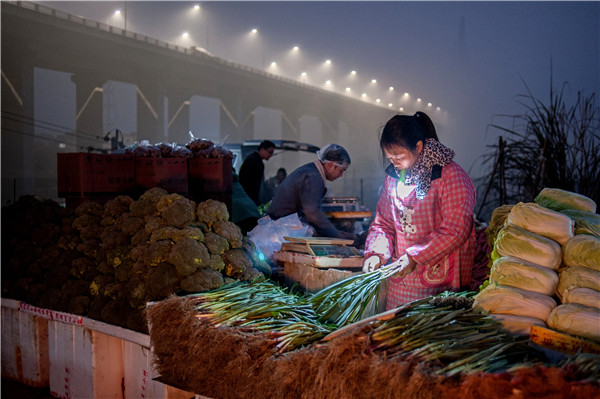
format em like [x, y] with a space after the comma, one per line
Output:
[166, 78]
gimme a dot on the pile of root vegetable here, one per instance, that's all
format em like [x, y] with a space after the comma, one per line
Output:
[107, 261]
[257, 340]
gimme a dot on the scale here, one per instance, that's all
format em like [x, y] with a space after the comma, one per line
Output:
[340, 204]
[320, 246]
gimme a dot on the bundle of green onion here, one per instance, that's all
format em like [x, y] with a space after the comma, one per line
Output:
[462, 339]
[264, 306]
[352, 299]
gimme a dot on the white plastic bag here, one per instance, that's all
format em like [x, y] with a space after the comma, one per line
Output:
[268, 235]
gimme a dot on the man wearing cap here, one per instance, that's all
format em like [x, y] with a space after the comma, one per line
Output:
[303, 190]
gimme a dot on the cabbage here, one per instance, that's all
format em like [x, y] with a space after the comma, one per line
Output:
[582, 296]
[557, 199]
[515, 301]
[497, 221]
[523, 244]
[577, 276]
[515, 272]
[542, 221]
[582, 250]
[576, 319]
[518, 325]
[585, 222]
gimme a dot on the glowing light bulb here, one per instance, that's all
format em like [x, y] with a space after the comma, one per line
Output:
[254, 30]
[374, 81]
[348, 89]
[328, 62]
[391, 88]
[353, 73]
[185, 35]
[296, 48]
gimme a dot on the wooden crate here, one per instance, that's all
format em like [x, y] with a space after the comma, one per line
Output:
[313, 273]
[24, 346]
[312, 279]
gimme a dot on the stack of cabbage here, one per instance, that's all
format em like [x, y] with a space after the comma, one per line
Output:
[579, 277]
[528, 267]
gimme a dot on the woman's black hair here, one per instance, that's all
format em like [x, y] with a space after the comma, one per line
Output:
[406, 131]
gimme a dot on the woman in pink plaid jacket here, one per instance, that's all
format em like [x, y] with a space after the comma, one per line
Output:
[424, 219]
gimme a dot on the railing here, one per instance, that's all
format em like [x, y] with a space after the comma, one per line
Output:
[13, 188]
[42, 9]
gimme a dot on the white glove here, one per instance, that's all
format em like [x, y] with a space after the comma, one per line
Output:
[371, 263]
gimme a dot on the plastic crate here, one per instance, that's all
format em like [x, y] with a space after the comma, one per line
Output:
[24, 346]
[82, 173]
[170, 174]
[210, 175]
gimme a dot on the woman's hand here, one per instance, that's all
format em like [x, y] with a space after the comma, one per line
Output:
[371, 263]
[406, 266]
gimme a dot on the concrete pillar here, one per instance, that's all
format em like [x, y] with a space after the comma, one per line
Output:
[178, 118]
[152, 105]
[89, 109]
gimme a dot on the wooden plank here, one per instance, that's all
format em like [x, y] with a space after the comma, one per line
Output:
[349, 214]
[561, 342]
[24, 346]
[319, 240]
[118, 332]
[353, 262]
[84, 363]
[294, 247]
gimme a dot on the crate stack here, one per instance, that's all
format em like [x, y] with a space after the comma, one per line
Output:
[101, 177]
[211, 178]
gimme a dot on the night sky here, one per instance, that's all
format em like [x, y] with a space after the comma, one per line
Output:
[471, 59]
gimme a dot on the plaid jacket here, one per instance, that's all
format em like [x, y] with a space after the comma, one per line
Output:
[438, 232]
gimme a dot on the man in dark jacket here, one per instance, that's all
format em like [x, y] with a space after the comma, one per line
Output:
[252, 170]
[303, 190]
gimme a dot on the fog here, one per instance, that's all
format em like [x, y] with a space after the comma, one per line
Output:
[467, 63]
[471, 59]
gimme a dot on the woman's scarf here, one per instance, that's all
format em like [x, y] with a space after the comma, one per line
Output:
[419, 175]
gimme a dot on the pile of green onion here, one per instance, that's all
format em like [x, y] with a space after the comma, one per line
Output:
[264, 306]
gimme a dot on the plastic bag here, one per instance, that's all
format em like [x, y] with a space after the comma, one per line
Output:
[268, 235]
